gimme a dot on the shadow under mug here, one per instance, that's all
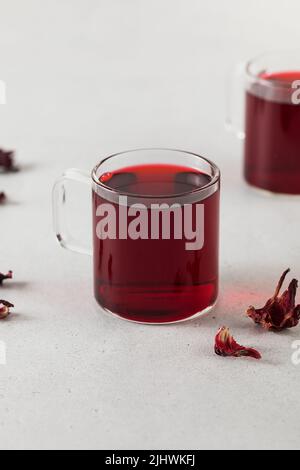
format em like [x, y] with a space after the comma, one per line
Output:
[155, 233]
[269, 86]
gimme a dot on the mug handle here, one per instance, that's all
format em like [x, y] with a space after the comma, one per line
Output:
[63, 235]
[235, 120]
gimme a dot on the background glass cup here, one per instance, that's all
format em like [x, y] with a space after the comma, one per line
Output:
[269, 86]
[150, 278]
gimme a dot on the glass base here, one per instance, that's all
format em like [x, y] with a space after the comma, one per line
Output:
[268, 192]
[184, 320]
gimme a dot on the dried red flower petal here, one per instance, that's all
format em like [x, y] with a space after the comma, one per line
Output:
[7, 163]
[225, 345]
[280, 312]
[3, 277]
[5, 309]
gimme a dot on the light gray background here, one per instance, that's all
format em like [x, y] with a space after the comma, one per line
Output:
[87, 78]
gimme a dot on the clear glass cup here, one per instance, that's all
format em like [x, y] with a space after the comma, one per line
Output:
[265, 110]
[155, 233]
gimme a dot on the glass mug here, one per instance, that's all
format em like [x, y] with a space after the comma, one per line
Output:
[155, 232]
[270, 87]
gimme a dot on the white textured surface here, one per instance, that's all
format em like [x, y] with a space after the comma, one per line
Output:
[91, 77]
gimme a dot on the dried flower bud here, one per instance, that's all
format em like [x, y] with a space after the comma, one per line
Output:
[225, 345]
[3, 277]
[7, 163]
[5, 309]
[280, 312]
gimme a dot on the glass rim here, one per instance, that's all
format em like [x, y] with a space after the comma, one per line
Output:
[263, 81]
[215, 177]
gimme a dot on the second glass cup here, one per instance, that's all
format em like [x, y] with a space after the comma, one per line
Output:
[270, 87]
[156, 234]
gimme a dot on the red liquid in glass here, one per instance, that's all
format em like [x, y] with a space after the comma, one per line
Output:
[157, 281]
[272, 151]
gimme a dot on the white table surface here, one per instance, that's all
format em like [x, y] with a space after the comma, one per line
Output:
[86, 78]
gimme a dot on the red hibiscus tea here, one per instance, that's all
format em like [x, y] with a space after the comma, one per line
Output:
[156, 236]
[272, 150]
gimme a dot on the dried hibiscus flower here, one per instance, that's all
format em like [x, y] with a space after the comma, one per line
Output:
[5, 309]
[3, 277]
[225, 345]
[280, 312]
[7, 163]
